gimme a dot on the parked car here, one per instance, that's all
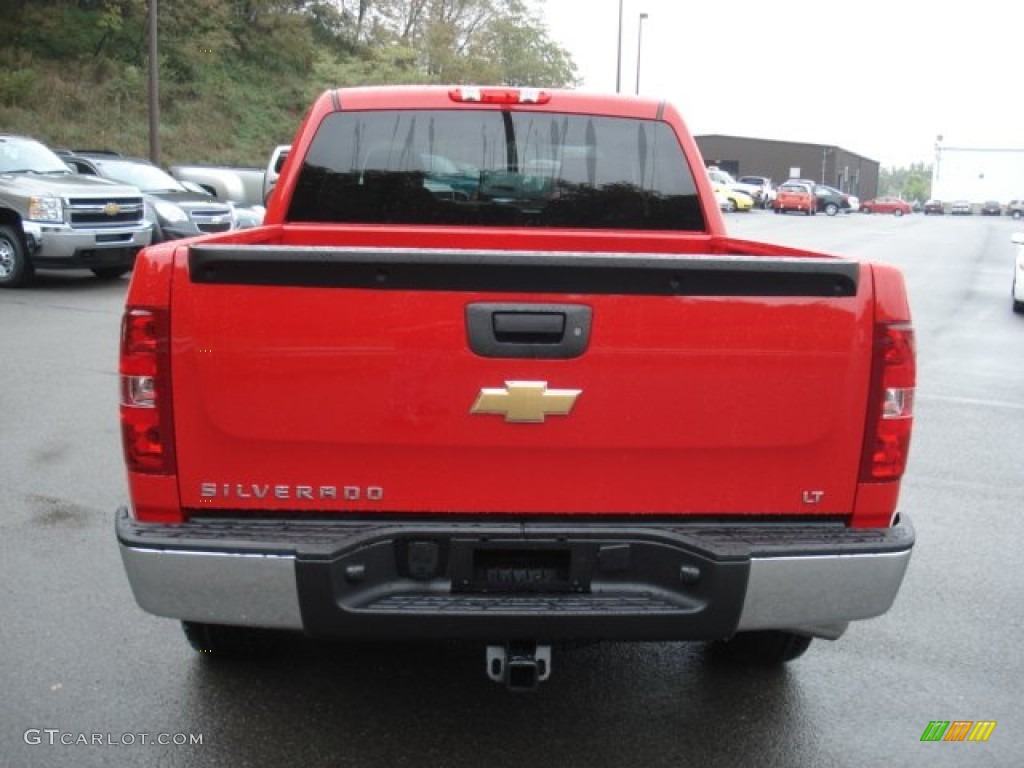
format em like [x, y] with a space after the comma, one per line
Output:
[730, 200]
[991, 208]
[795, 196]
[767, 189]
[277, 158]
[718, 176]
[809, 182]
[891, 205]
[1018, 273]
[244, 186]
[933, 207]
[51, 218]
[830, 201]
[174, 210]
[960, 208]
[1015, 208]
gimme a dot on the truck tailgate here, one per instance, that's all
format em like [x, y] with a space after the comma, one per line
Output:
[314, 380]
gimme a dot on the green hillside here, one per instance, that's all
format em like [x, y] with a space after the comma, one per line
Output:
[236, 76]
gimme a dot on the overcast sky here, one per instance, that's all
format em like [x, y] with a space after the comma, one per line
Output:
[881, 78]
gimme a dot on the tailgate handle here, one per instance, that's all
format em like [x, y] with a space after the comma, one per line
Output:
[549, 331]
[529, 327]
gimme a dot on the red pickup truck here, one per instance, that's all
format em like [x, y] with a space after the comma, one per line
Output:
[492, 369]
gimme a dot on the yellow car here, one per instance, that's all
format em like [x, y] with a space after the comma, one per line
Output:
[730, 200]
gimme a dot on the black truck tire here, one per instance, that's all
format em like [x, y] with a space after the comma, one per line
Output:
[15, 267]
[226, 642]
[761, 648]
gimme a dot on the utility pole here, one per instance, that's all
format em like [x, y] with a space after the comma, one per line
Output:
[618, 58]
[639, 44]
[154, 87]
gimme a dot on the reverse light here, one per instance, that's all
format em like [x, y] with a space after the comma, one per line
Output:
[145, 408]
[898, 403]
[891, 404]
[499, 95]
[138, 391]
[46, 208]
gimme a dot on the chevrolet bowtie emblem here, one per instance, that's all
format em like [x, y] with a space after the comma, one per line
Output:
[525, 401]
[111, 209]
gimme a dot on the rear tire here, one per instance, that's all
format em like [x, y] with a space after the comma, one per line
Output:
[831, 209]
[226, 642]
[761, 648]
[15, 268]
[898, 212]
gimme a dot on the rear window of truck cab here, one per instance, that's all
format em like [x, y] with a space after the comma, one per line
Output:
[496, 168]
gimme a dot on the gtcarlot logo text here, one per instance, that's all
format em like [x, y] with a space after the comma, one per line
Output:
[55, 736]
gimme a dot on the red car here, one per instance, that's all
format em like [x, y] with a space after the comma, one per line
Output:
[795, 196]
[891, 205]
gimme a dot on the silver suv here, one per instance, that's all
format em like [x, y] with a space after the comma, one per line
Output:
[52, 219]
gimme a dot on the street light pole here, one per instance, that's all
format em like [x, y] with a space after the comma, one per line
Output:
[825, 152]
[154, 87]
[639, 42]
[618, 59]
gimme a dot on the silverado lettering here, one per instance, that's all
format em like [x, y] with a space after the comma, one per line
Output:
[597, 416]
[308, 492]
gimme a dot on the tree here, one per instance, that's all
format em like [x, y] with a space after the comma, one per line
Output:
[236, 75]
[458, 41]
[913, 183]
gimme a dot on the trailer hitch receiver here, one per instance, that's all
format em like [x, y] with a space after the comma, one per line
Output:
[519, 666]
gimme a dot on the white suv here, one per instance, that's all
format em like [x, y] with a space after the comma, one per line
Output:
[766, 189]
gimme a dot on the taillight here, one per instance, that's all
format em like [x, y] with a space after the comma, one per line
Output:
[145, 399]
[891, 404]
